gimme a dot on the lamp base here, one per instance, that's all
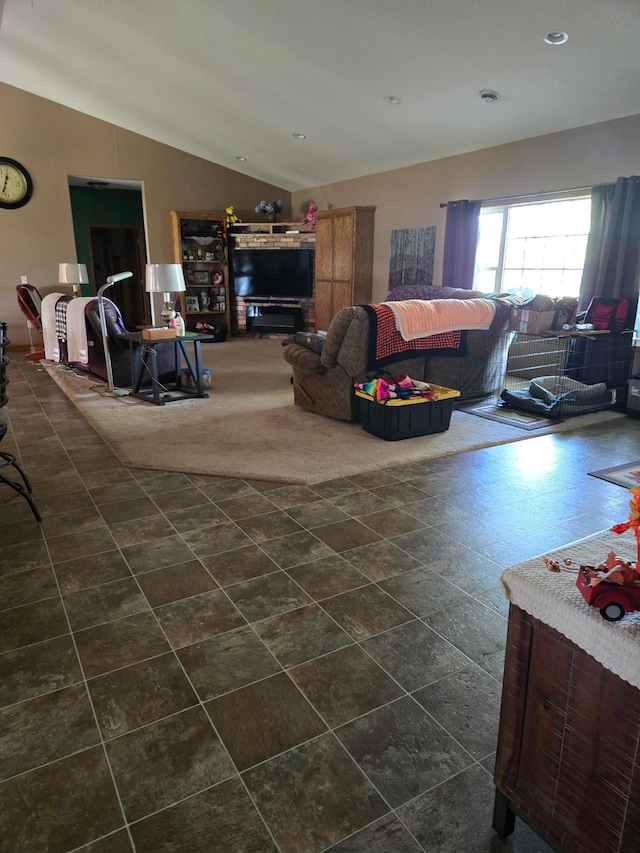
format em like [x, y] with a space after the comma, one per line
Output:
[117, 392]
[168, 313]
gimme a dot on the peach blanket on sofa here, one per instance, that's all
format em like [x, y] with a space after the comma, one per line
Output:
[419, 318]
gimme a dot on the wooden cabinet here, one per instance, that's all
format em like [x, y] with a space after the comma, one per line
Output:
[568, 759]
[344, 261]
[200, 245]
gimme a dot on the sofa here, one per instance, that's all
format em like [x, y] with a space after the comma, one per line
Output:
[323, 381]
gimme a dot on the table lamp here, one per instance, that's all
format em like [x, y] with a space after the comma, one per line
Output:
[165, 279]
[73, 274]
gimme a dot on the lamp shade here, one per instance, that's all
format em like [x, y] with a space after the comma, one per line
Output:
[72, 274]
[164, 278]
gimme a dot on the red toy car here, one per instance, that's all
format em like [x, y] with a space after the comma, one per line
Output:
[612, 599]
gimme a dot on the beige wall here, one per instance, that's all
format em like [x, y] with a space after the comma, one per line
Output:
[410, 197]
[53, 142]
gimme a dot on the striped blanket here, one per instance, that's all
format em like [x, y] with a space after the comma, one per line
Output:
[48, 320]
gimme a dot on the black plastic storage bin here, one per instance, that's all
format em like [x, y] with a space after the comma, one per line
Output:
[219, 332]
[398, 419]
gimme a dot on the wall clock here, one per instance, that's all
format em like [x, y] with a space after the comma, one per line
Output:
[16, 185]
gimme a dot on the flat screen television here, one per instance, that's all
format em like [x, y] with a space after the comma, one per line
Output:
[273, 273]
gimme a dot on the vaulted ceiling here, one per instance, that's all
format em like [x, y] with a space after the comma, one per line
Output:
[224, 79]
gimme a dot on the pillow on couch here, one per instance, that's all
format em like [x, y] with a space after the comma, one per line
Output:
[504, 302]
[426, 291]
[314, 342]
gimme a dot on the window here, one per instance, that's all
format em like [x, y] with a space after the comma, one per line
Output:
[533, 248]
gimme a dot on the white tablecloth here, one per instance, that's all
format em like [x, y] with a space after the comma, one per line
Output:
[555, 600]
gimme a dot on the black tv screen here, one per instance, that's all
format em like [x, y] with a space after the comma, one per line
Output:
[273, 273]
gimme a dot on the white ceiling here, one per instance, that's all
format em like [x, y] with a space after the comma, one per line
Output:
[228, 78]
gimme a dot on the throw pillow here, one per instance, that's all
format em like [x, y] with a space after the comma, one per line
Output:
[311, 341]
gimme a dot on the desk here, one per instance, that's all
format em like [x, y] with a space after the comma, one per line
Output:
[159, 394]
[568, 759]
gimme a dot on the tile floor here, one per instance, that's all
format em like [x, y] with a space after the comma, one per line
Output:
[199, 664]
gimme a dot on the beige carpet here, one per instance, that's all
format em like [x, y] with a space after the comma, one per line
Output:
[249, 427]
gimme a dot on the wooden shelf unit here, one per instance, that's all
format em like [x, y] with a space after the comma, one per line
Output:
[205, 262]
[270, 228]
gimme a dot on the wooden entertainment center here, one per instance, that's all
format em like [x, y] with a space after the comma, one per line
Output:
[342, 276]
[259, 315]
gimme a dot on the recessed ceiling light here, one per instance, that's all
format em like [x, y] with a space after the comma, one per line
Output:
[241, 158]
[299, 135]
[556, 37]
[391, 99]
[488, 96]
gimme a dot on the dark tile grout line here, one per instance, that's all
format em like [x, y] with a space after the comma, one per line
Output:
[251, 624]
[195, 692]
[92, 706]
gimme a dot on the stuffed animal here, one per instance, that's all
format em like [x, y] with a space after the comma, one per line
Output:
[310, 218]
[232, 219]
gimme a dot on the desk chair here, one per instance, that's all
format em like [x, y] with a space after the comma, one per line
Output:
[29, 301]
[8, 460]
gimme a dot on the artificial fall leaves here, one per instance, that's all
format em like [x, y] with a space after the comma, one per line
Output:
[634, 518]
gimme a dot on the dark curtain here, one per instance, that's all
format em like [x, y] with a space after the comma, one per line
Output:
[460, 241]
[612, 261]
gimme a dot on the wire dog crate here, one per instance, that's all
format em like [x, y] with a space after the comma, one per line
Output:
[588, 357]
[595, 358]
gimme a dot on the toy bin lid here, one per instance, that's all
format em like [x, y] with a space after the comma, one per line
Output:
[442, 392]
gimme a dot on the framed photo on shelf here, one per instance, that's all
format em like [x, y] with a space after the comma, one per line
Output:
[192, 303]
[200, 277]
[217, 250]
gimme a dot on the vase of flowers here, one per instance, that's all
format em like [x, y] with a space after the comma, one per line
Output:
[270, 209]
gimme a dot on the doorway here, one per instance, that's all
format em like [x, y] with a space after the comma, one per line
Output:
[114, 249]
[108, 225]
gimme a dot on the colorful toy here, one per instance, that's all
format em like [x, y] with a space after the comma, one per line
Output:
[310, 218]
[613, 586]
[232, 219]
[612, 598]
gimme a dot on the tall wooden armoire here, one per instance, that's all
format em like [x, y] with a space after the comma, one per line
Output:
[344, 261]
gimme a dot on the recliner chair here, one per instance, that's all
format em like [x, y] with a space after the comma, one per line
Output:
[119, 349]
[29, 301]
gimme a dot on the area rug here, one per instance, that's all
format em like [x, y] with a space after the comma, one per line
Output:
[494, 411]
[249, 428]
[621, 475]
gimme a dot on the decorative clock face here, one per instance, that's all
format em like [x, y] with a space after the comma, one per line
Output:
[15, 184]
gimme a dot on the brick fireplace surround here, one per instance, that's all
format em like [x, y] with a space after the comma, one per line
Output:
[270, 236]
